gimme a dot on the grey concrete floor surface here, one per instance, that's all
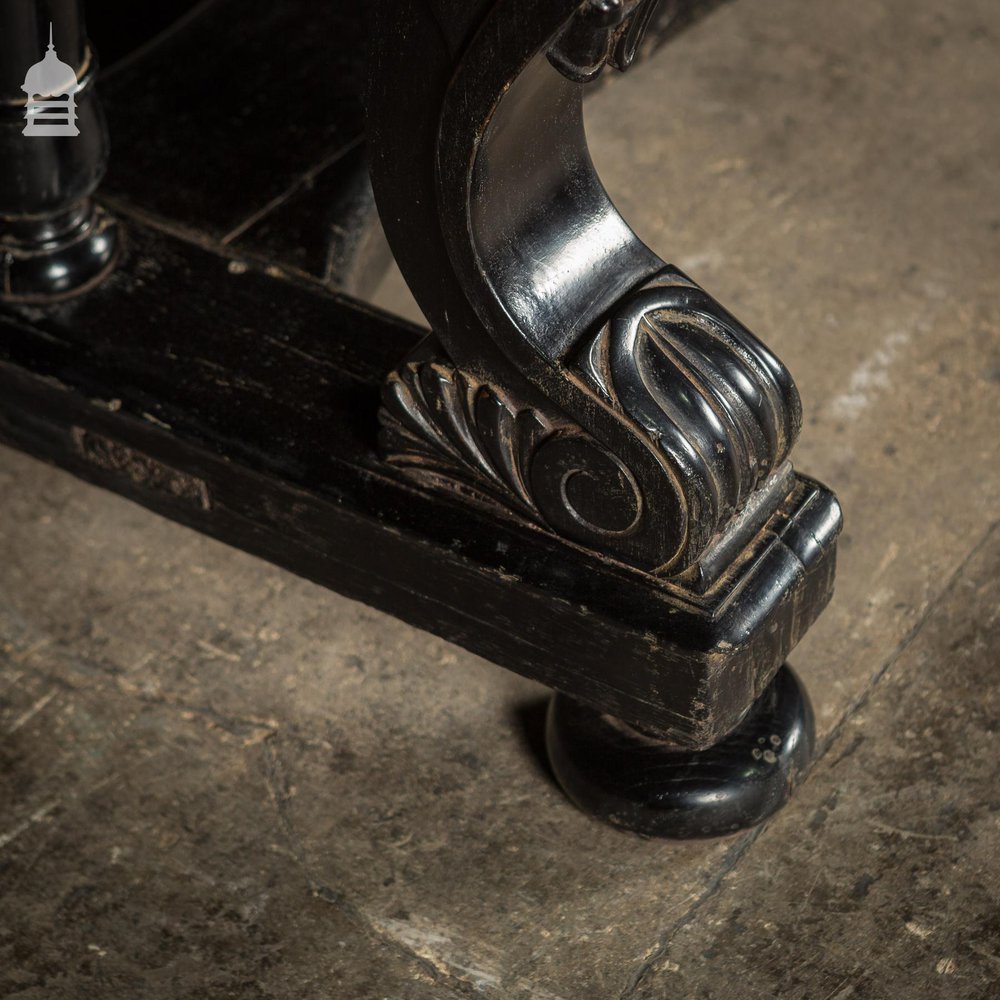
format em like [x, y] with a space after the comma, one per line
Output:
[218, 780]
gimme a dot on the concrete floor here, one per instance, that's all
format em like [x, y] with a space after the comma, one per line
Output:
[217, 780]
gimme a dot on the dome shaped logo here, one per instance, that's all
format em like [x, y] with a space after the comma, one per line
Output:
[51, 106]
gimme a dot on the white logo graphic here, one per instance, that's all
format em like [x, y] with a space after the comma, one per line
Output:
[55, 80]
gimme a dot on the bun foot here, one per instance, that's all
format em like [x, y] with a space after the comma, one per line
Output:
[635, 781]
[51, 258]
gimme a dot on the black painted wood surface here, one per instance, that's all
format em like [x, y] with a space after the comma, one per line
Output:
[581, 473]
[243, 405]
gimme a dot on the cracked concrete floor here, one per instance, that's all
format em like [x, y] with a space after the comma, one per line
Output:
[217, 780]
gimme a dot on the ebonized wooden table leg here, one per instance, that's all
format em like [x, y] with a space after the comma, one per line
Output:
[54, 241]
[577, 382]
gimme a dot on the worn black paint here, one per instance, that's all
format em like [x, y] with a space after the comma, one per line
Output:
[573, 379]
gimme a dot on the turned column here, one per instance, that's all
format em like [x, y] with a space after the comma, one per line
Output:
[54, 241]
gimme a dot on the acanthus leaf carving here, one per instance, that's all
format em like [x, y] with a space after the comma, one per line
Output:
[439, 424]
[445, 429]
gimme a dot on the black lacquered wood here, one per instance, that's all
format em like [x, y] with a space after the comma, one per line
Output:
[53, 242]
[327, 227]
[640, 783]
[229, 112]
[592, 487]
[244, 122]
[261, 395]
[591, 387]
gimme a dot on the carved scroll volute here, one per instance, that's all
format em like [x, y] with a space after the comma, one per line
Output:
[712, 414]
[583, 383]
[453, 432]
[717, 406]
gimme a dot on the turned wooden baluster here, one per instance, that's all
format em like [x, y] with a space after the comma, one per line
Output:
[54, 241]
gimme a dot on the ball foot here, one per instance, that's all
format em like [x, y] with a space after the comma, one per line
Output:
[637, 782]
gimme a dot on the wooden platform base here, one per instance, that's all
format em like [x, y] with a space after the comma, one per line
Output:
[242, 403]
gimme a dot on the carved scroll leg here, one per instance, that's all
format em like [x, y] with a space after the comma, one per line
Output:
[53, 148]
[577, 383]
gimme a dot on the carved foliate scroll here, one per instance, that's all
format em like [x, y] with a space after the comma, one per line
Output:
[710, 402]
[450, 431]
[573, 378]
